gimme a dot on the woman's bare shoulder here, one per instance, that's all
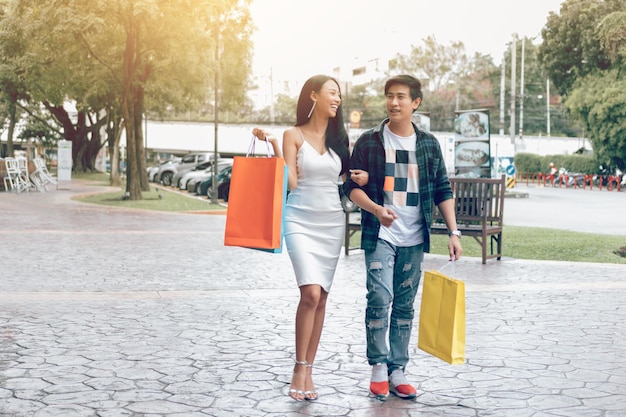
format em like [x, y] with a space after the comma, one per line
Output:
[292, 135]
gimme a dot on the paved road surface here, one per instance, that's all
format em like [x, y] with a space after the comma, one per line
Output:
[580, 210]
[107, 312]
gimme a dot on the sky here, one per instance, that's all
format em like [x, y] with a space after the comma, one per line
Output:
[296, 39]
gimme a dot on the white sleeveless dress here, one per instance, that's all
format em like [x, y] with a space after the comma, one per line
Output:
[314, 218]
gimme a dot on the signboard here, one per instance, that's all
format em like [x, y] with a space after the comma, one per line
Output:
[449, 155]
[355, 119]
[472, 155]
[64, 155]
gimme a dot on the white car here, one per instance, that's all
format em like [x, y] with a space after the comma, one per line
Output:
[154, 169]
[176, 179]
[167, 171]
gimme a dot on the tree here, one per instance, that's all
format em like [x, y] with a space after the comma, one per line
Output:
[284, 110]
[535, 95]
[368, 100]
[56, 74]
[584, 49]
[599, 100]
[612, 37]
[11, 80]
[570, 47]
[118, 59]
[453, 80]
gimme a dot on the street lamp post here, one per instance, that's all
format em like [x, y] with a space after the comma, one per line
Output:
[512, 124]
[216, 114]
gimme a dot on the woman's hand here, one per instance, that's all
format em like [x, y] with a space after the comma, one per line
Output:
[263, 135]
[359, 176]
[267, 136]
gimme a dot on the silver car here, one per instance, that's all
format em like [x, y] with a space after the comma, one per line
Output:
[167, 171]
[179, 179]
[193, 184]
[154, 169]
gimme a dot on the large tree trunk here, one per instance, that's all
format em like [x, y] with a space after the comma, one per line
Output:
[141, 151]
[134, 148]
[114, 135]
[85, 137]
[133, 185]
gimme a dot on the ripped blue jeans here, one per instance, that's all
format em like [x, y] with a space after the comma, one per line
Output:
[393, 275]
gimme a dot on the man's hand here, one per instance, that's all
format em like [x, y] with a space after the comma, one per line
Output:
[385, 215]
[454, 248]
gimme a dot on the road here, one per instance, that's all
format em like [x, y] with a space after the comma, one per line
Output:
[579, 210]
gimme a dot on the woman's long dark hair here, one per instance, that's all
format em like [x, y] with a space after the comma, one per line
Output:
[336, 135]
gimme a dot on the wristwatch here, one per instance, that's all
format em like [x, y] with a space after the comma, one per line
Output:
[456, 233]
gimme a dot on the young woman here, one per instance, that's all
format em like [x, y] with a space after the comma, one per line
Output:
[316, 152]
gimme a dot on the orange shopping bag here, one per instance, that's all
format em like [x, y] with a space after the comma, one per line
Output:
[442, 318]
[256, 201]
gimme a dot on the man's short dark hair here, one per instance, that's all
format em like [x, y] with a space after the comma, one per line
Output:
[413, 83]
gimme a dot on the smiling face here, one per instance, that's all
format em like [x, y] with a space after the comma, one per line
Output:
[400, 105]
[328, 99]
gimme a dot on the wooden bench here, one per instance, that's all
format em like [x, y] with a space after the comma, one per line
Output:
[479, 212]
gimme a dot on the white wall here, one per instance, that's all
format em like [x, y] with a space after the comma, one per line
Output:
[187, 137]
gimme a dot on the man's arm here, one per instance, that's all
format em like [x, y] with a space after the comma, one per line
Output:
[448, 211]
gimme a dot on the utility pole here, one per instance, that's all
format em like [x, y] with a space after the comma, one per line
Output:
[502, 94]
[521, 94]
[548, 106]
[272, 110]
[512, 124]
[216, 112]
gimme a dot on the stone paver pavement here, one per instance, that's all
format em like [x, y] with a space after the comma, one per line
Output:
[108, 312]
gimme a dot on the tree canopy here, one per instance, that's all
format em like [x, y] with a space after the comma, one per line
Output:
[117, 60]
[583, 52]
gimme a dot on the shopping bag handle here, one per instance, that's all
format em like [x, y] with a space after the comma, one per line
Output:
[447, 265]
[251, 148]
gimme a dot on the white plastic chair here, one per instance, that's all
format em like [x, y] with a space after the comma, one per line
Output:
[41, 172]
[14, 176]
[27, 184]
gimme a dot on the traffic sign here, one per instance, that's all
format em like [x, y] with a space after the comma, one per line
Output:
[510, 182]
[510, 170]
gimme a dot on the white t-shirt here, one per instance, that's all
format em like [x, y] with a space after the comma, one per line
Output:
[401, 191]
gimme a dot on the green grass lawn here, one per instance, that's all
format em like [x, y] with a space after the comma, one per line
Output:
[518, 242]
[169, 200]
[541, 244]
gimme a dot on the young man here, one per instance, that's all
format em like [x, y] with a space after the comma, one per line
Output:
[397, 172]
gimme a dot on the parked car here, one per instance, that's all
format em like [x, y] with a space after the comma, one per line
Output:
[193, 175]
[167, 171]
[193, 185]
[154, 169]
[182, 174]
[223, 184]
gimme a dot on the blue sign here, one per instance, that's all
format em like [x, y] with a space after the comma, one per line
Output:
[510, 170]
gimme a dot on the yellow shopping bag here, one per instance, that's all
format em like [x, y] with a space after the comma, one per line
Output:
[442, 318]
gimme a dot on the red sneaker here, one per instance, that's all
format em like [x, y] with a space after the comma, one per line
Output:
[379, 383]
[400, 386]
[380, 390]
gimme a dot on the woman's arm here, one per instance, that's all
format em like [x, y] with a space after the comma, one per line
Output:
[291, 144]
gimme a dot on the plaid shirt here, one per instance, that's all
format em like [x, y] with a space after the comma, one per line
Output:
[434, 187]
